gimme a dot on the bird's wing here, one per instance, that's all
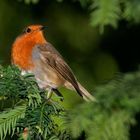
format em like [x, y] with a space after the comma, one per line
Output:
[51, 57]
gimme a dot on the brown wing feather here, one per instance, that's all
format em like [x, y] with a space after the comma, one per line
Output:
[55, 60]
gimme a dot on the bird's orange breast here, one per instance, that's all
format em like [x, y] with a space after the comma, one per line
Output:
[23, 47]
[22, 54]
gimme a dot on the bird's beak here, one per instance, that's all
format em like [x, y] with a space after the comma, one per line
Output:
[43, 28]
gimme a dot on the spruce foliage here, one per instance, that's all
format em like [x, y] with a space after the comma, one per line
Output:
[111, 117]
[105, 12]
[25, 111]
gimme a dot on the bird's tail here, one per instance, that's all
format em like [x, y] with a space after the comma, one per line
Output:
[85, 94]
[81, 91]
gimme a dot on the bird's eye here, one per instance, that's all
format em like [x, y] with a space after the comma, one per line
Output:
[28, 30]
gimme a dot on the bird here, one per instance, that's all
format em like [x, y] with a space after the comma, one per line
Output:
[32, 53]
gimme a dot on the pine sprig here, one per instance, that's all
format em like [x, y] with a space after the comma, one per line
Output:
[39, 121]
[105, 12]
[118, 103]
[132, 11]
[9, 118]
[29, 113]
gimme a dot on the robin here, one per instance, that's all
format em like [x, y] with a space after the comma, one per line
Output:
[32, 53]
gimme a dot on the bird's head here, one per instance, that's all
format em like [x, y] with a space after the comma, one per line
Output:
[24, 44]
[32, 34]
[33, 29]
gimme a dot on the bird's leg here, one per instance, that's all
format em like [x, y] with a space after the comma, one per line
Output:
[57, 92]
[51, 90]
[49, 94]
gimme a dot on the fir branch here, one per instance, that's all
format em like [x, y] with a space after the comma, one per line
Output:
[9, 118]
[118, 103]
[132, 11]
[36, 117]
[105, 12]
[39, 121]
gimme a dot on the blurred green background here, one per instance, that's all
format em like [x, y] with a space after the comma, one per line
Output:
[95, 54]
